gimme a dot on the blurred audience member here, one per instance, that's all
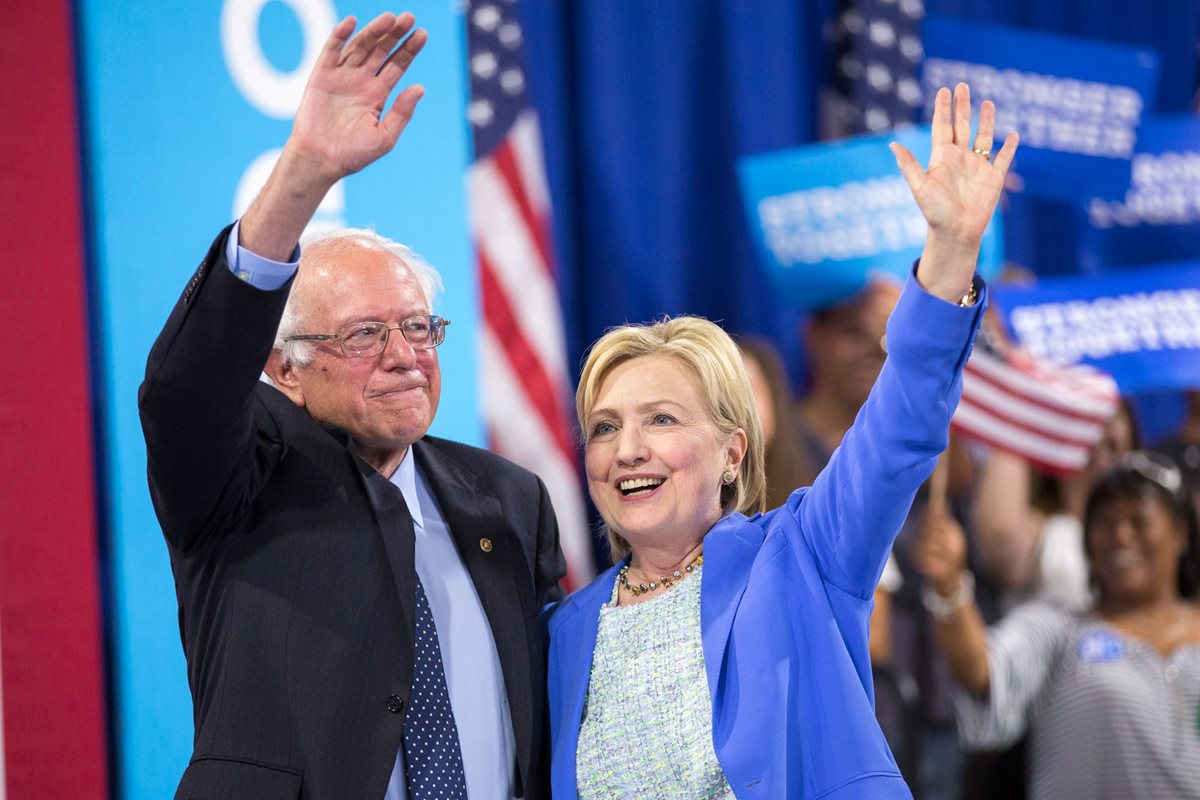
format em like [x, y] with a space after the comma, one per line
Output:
[1109, 696]
[1184, 447]
[773, 401]
[845, 354]
[1027, 528]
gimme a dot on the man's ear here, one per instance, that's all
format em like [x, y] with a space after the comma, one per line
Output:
[282, 373]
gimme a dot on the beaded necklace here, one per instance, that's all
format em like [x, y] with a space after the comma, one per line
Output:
[665, 581]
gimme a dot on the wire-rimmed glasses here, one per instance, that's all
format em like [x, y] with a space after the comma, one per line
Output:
[363, 339]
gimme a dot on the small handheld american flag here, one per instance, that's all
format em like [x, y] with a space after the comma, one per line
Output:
[1051, 415]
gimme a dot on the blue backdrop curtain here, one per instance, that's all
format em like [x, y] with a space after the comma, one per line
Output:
[646, 107]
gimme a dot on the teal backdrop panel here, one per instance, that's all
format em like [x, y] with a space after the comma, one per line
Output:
[186, 106]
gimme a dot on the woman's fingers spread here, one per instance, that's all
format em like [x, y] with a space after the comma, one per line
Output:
[962, 115]
[987, 126]
[943, 130]
[1005, 156]
[910, 168]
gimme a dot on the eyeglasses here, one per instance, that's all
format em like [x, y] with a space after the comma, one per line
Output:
[1156, 468]
[363, 339]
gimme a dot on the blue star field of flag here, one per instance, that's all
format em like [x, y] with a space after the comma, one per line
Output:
[877, 51]
[497, 71]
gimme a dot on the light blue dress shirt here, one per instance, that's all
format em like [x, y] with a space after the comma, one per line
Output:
[473, 675]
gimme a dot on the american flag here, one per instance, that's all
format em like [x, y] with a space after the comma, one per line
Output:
[877, 51]
[525, 383]
[1049, 414]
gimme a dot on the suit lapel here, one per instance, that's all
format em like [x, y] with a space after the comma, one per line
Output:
[504, 585]
[729, 552]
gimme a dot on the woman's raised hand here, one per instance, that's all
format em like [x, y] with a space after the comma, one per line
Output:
[959, 191]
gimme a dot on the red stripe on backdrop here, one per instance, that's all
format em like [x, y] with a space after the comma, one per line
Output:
[527, 367]
[506, 162]
[51, 662]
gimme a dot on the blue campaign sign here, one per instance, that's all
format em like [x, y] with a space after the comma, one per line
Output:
[1077, 104]
[1141, 325]
[187, 105]
[826, 216]
[1158, 218]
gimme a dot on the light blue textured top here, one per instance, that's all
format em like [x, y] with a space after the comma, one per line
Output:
[647, 727]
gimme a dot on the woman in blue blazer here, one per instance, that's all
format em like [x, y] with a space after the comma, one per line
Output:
[725, 654]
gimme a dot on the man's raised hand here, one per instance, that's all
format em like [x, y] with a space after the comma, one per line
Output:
[342, 125]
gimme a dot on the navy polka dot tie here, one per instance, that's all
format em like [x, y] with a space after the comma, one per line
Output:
[432, 758]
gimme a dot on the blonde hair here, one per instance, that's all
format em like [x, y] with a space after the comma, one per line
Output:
[708, 352]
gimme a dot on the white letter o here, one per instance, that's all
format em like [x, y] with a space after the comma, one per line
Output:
[274, 93]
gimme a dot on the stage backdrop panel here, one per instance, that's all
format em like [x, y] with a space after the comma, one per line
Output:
[187, 105]
[52, 737]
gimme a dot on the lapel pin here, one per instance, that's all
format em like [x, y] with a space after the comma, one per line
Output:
[485, 545]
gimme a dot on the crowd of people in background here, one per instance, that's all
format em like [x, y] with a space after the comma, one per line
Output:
[1033, 635]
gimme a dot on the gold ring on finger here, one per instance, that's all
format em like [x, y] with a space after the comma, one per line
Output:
[980, 151]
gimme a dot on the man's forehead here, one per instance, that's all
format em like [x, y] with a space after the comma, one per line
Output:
[331, 258]
[343, 285]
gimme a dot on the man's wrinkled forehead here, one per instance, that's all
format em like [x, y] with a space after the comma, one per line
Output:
[347, 269]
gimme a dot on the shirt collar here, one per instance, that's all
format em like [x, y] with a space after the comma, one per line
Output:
[405, 479]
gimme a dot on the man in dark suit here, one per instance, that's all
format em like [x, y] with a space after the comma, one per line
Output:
[358, 601]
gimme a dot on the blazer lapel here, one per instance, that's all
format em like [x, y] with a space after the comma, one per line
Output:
[573, 631]
[729, 552]
[503, 584]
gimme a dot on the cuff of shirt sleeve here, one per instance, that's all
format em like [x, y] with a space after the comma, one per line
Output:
[261, 273]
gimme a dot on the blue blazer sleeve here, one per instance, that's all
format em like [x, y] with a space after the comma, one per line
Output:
[856, 506]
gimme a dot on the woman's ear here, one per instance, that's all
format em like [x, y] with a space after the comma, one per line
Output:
[735, 451]
[282, 373]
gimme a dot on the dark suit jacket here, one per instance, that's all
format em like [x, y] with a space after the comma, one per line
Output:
[293, 565]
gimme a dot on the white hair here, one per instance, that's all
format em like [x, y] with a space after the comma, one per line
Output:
[293, 320]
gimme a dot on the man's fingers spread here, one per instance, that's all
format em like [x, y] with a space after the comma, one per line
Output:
[402, 57]
[331, 52]
[361, 45]
[391, 37]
